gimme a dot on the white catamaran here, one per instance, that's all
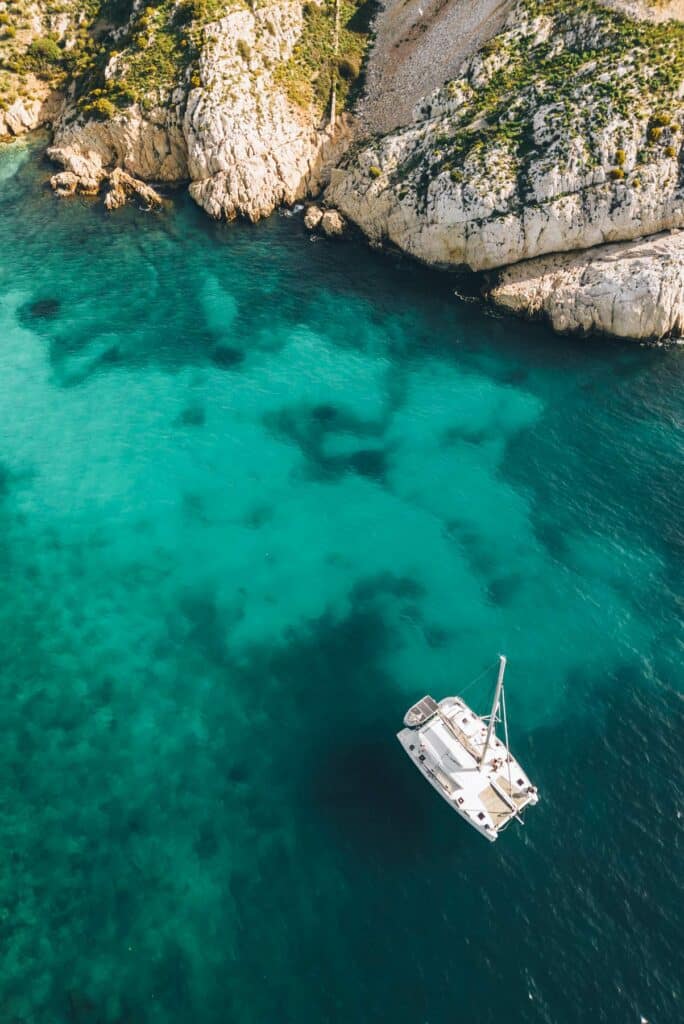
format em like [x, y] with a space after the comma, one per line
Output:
[460, 754]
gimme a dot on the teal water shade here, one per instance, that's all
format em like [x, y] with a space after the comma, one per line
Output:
[257, 495]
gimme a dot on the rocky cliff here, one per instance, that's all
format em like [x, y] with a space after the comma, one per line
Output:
[562, 132]
[232, 98]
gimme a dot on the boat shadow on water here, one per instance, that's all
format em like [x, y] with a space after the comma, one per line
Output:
[367, 795]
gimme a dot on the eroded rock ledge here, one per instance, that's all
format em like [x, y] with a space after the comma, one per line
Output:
[630, 290]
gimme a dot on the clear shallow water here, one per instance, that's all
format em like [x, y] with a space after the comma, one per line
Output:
[256, 495]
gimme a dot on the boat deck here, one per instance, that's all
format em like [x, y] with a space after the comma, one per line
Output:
[445, 741]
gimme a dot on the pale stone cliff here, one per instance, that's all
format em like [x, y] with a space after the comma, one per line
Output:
[249, 147]
[631, 289]
[176, 93]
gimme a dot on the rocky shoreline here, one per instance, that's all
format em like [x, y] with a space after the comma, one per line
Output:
[547, 150]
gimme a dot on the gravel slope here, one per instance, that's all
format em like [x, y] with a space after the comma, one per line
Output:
[420, 45]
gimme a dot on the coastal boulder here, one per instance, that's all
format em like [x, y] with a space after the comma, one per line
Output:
[332, 224]
[313, 217]
[64, 183]
[122, 187]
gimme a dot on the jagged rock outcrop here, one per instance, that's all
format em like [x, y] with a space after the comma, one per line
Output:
[561, 133]
[24, 114]
[631, 290]
[249, 148]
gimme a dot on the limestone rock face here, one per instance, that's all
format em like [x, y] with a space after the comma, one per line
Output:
[147, 145]
[64, 184]
[228, 127]
[23, 115]
[249, 148]
[29, 100]
[631, 290]
[547, 141]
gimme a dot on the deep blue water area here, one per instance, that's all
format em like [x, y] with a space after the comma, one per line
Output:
[257, 495]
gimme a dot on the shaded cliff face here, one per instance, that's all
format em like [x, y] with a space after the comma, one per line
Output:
[562, 132]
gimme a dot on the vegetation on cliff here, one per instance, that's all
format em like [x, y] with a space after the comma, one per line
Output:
[568, 73]
[116, 52]
[318, 64]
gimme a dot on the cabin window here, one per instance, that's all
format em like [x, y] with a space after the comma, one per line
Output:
[521, 782]
[480, 815]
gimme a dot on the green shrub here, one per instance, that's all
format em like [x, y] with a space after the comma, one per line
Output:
[620, 157]
[101, 109]
[654, 133]
[374, 171]
[244, 50]
[617, 173]
[44, 53]
[661, 120]
[670, 151]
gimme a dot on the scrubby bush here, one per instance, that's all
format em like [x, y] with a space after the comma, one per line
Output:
[654, 133]
[102, 109]
[670, 151]
[617, 173]
[244, 50]
[620, 157]
[44, 53]
[374, 171]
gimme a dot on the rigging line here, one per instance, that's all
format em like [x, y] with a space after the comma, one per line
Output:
[477, 679]
[508, 749]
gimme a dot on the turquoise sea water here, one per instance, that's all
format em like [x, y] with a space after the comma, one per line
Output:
[258, 494]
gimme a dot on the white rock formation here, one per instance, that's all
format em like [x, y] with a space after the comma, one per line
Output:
[148, 145]
[22, 115]
[122, 188]
[487, 175]
[631, 290]
[249, 148]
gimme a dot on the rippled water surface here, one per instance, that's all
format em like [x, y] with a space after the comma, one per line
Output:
[257, 494]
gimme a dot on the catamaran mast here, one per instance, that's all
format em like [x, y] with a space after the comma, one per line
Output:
[495, 706]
